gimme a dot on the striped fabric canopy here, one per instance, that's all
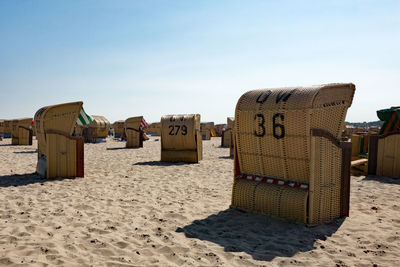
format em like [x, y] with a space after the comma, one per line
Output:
[391, 118]
[143, 124]
[83, 118]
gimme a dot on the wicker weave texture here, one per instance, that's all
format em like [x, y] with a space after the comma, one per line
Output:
[20, 132]
[155, 128]
[205, 129]
[60, 156]
[227, 134]
[388, 159]
[100, 126]
[180, 138]
[355, 144]
[270, 199]
[272, 135]
[133, 132]
[118, 127]
[7, 127]
[62, 153]
[60, 117]
[325, 185]
[24, 137]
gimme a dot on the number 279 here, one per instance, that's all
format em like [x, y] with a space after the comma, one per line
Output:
[174, 130]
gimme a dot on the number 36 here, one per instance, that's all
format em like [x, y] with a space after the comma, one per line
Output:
[260, 132]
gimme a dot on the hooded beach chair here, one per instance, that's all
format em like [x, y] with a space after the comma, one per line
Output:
[119, 128]
[289, 160]
[384, 149]
[154, 128]
[206, 129]
[134, 132]
[1, 128]
[21, 132]
[180, 138]
[227, 133]
[97, 130]
[59, 153]
[7, 129]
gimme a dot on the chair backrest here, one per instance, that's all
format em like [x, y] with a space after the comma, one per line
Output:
[1, 126]
[118, 127]
[61, 118]
[227, 136]
[384, 151]
[100, 126]
[154, 128]
[178, 132]
[273, 127]
[180, 140]
[289, 160]
[16, 123]
[391, 120]
[134, 134]
[205, 129]
[359, 144]
[21, 132]
[230, 127]
[7, 126]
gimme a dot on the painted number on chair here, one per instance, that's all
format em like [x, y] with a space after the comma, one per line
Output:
[278, 129]
[175, 129]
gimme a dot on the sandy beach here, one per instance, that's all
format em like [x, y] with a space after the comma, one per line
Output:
[133, 210]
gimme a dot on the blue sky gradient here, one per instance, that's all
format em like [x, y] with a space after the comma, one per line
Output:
[152, 58]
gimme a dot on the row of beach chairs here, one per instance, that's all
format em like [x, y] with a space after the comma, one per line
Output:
[290, 160]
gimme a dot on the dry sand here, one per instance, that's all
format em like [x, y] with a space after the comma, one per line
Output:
[131, 209]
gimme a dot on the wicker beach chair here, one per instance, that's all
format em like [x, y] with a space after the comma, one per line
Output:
[7, 128]
[1, 128]
[154, 129]
[289, 160]
[119, 128]
[359, 144]
[205, 129]
[180, 138]
[227, 137]
[134, 134]
[219, 129]
[384, 149]
[59, 153]
[21, 133]
[97, 130]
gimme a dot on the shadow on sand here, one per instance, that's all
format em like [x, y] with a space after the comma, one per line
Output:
[386, 180]
[25, 152]
[225, 157]
[24, 179]
[162, 163]
[116, 148]
[260, 236]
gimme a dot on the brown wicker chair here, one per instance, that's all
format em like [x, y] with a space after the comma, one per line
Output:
[227, 135]
[21, 132]
[384, 155]
[59, 153]
[119, 129]
[289, 160]
[205, 129]
[180, 138]
[96, 131]
[133, 133]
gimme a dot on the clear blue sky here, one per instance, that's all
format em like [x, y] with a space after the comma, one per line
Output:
[152, 58]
